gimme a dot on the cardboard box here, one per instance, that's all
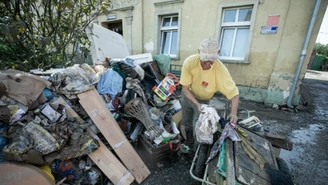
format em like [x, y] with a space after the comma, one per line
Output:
[177, 117]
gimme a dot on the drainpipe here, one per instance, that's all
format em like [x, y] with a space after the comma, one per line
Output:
[300, 63]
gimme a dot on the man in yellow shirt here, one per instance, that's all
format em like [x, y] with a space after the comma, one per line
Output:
[203, 75]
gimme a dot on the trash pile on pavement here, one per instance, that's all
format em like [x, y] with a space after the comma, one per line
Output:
[56, 119]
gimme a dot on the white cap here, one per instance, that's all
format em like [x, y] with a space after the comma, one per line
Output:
[208, 50]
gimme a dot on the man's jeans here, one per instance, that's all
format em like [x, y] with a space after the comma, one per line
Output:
[189, 118]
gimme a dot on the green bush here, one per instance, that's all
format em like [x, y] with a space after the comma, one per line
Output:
[324, 64]
[321, 49]
[38, 33]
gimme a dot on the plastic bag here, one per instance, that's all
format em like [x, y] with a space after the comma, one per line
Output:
[163, 62]
[74, 80]
[92, 176]
[20, 145]
[43, 141]
[110, 83]
[206, 125]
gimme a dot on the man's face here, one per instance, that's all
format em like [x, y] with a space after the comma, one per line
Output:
[207, 64]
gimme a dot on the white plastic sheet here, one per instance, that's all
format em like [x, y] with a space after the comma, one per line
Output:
[206, 125]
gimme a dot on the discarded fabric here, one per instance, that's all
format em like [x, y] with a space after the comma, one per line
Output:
[110, 83]
[228, 132]
[206, 125]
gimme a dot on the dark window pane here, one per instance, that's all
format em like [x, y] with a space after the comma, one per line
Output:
[166, 21]
[174, 21]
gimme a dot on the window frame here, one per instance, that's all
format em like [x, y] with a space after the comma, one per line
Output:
[250, 24]
[232, 45]
[168, 29]
[158, 16]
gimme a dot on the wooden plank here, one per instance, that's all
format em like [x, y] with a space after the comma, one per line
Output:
[109, 164]
[102, 157]
[276, 140]
[230, 172]
[212, 172]
[101, 116]
[247, 170]
[279, 141]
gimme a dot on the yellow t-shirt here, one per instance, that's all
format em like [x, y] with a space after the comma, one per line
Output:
[204, 83]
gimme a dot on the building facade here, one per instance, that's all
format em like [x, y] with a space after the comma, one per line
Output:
[260, 41]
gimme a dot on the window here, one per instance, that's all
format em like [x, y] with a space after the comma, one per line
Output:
[116, 27]
[169, 35]
[235, 27]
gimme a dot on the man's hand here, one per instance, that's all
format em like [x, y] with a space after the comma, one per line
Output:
[233, 118]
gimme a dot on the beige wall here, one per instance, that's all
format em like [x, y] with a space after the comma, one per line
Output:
[290, 47]
[273, 58]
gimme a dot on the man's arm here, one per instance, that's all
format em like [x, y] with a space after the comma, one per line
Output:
[234, 108]
[190, 97]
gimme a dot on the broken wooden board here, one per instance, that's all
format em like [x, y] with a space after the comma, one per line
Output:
[102, 157]
[230, 163]
[247, 170]
[101, 116]
[278, 141]
[212, 174]
[109, 164]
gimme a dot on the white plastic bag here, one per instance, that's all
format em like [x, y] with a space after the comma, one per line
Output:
[206, 125]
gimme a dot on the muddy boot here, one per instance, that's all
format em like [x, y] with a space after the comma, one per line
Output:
[190, 138]
[187, 145]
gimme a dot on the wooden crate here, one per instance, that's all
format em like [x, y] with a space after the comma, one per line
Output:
[156, 153]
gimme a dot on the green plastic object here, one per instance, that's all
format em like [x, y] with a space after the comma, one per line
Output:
[316, 64]
[221, 166]
[163, 62]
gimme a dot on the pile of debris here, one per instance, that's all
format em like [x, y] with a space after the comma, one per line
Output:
[78, 123]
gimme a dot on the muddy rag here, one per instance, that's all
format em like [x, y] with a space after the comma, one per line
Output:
[228, 132]
[135, 85]
[206, 124]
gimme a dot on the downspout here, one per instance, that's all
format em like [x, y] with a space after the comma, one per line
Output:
[300, 63]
